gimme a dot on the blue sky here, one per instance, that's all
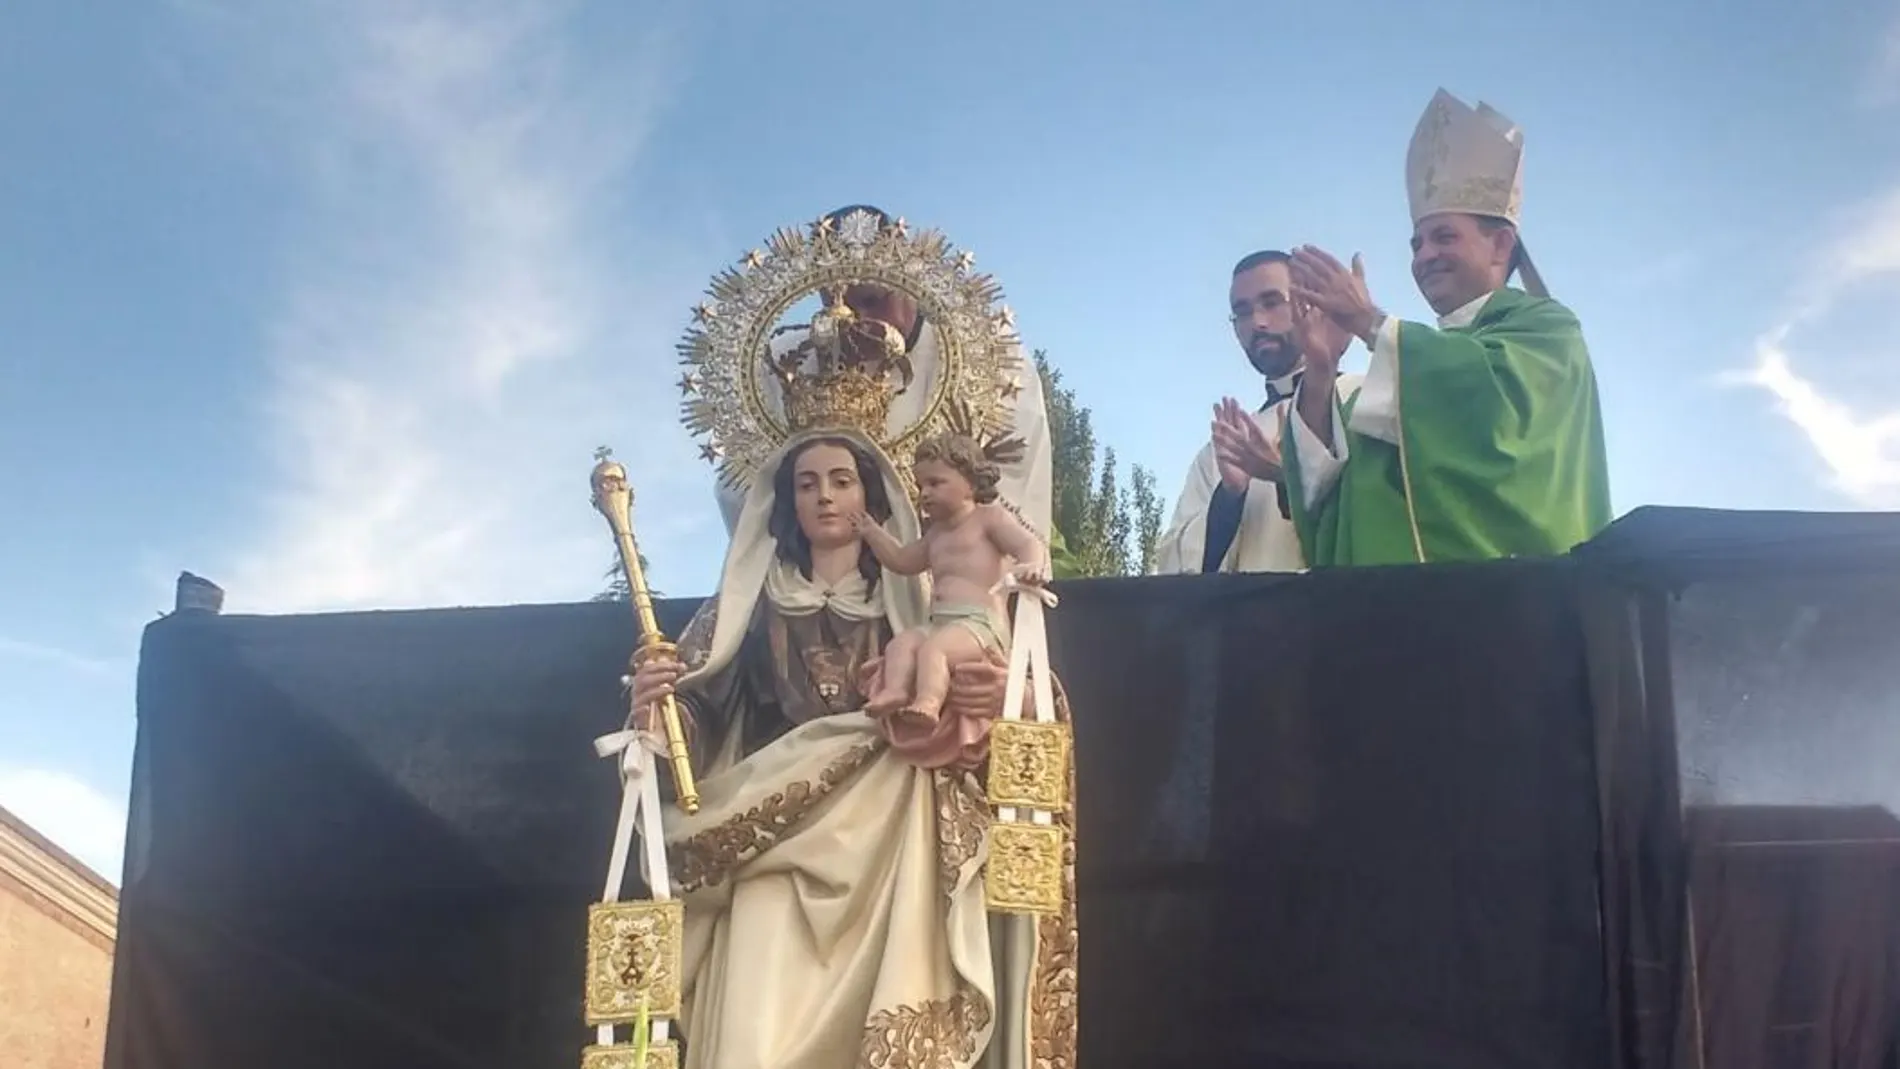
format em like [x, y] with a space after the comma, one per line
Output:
[331, 302]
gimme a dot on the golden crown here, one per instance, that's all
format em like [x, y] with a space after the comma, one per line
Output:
[839, 375]
[750, 384]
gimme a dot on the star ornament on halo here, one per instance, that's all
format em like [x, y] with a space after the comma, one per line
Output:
[710, 452]
[859, 228]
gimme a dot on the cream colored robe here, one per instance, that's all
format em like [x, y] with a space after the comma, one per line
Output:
[835, 913]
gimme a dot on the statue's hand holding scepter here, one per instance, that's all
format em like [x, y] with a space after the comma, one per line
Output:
[613, 497]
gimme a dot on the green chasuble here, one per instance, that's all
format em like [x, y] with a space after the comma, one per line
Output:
[1503, 448]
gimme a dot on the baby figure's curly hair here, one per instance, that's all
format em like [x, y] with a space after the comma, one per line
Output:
[961, 452]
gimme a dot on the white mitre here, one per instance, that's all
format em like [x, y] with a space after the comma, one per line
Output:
[1469, 160]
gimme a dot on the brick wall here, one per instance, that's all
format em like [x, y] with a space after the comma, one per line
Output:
[56, 924]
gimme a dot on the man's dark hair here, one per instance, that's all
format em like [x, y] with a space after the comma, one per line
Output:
[1264, 256]
[1491, 224]
[883, 220]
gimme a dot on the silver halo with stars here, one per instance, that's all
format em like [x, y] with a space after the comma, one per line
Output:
[726, 403]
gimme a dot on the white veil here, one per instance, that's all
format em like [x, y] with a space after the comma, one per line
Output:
[754, 569]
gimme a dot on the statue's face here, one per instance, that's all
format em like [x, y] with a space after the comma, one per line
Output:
[943, 491]
[825, 480]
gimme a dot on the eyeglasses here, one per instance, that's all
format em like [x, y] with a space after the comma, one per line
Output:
[1245, 308]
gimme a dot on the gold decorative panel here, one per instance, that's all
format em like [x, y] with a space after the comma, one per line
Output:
[1024, 874]
[634, 948]
[1029, 765]
[621, 1056]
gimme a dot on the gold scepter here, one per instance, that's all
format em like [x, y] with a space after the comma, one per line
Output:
[613, 496]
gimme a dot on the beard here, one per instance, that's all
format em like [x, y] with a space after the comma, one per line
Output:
[1271, 354]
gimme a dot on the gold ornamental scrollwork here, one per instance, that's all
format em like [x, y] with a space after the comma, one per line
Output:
[734, 385]
[1024, 872]
[1029, 764]
[634, 949]
[625, 1056]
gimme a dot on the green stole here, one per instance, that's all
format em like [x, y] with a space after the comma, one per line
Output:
[1503, 448]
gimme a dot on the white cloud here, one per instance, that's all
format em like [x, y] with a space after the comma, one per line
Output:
[81, 820]
[455, 334]
[35, 651]
[1859, 443]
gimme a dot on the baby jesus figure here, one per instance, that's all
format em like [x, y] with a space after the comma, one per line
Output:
[967, 543]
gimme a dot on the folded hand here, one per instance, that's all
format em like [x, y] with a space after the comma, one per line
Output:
[1241, 446]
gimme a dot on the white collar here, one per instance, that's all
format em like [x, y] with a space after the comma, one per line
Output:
[1463, 316]
[1282, 387]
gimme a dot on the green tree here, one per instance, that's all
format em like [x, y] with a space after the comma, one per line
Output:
[616, 577]
[1102, 528]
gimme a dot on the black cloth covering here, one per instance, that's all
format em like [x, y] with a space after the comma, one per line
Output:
[1422, 817]
[1747, 707]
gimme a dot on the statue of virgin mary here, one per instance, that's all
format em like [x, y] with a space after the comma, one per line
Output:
[833, 887]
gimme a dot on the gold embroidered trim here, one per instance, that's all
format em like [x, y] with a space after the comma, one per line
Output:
[706, 859]
[939, 1034]
[1053, 988]
[962, 821]
[1405, 464]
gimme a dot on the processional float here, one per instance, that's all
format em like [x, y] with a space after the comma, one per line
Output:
[730, 387]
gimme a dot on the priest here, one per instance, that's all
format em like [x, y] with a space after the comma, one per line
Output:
[1477, 438]
[1232, 515]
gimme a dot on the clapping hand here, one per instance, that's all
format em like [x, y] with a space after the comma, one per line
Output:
[1324, 283]
[1241, 449]
[1321, 339]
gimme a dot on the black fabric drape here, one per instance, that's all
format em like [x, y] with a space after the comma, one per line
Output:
[1787, 693]
[1748, 714]
[364, 840]
[1452, 816]
[1322, 828]
[1643, 875]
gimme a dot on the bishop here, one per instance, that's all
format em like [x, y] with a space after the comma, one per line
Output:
[1474, 438]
